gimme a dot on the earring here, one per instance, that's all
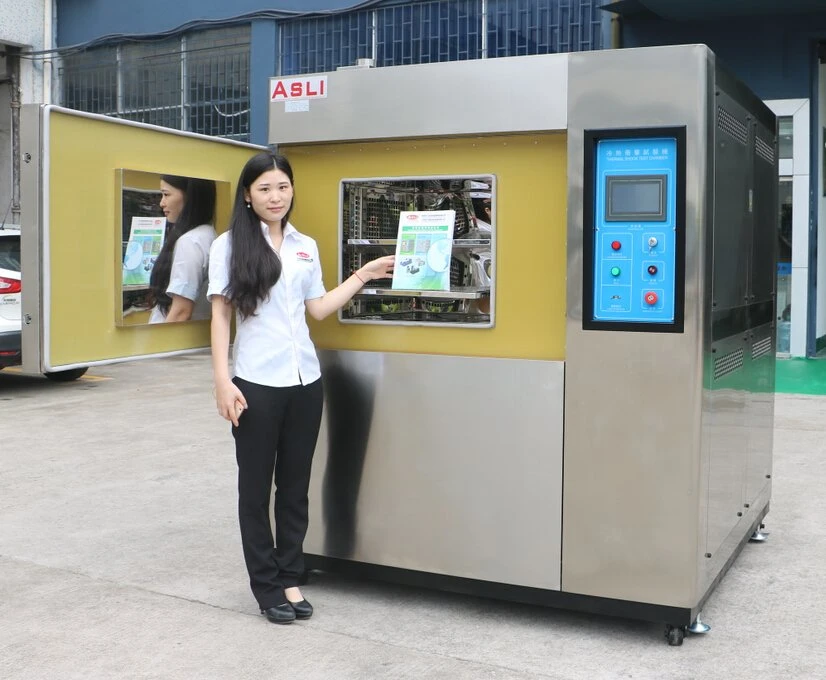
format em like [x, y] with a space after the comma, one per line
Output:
[248, 205]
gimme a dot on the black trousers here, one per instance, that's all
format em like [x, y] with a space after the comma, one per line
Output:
[275, 440]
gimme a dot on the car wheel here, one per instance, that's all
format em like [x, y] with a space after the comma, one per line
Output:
[67, 375]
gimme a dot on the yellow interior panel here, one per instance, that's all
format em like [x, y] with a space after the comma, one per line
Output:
[531, 189]
[84, 231]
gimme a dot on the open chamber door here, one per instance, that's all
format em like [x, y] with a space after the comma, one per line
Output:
[94, 227]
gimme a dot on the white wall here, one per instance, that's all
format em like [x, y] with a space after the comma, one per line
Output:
[798, 168]
[5, 146]
[26, 24]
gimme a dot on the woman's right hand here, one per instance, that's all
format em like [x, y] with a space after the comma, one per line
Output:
[230, 401]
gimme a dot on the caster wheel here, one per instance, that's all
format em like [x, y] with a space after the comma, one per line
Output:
[674, 635]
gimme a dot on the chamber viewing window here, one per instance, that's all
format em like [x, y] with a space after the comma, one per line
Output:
[635, 198]
[369, 225]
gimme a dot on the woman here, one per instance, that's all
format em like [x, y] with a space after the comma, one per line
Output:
[269, 273]
[179, 275]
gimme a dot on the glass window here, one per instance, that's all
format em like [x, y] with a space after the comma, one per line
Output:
[429, 32]
[784, 266]
[517, 27]
[439, 30]
[785, 138]
[217, 83]
[325, 43]
[89, 80]
[442, 277]
[197, 82]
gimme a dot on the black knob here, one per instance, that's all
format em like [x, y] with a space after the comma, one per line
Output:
[652, 270]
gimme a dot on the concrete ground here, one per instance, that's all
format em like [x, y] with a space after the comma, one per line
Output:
[120, 558]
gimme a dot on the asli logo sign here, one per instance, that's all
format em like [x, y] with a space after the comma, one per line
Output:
[285, 89]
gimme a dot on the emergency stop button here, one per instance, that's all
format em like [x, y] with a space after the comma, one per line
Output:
[651, 298]
[616, 245]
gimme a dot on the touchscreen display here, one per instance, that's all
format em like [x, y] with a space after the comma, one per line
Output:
[635, 198]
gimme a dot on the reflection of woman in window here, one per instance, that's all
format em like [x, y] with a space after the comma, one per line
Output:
[480, 260]
[179, 275]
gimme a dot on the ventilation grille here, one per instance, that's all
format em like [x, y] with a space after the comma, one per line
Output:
[732, 125]
[728, 364]
[763, 150]
[761, 348]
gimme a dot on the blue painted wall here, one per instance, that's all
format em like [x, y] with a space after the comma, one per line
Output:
[79, 21]
[772, 55]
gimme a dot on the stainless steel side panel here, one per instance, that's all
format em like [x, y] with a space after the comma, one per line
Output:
[739, 403]
[633, 403]
[443, 464]
[727, 428]
[480, 96]
[760, 413]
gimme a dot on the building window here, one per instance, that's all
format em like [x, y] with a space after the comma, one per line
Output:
[437, 31]
[784, 266]
[519, 27]
[316, 45]
[428, 32]
[197, 82]
[785, 136]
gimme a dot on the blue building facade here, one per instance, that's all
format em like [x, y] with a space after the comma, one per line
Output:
[777, 47]
[206, 68]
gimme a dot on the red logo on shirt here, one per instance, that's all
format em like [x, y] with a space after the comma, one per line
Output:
[303, 256]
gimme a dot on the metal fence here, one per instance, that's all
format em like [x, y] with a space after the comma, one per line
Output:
[439, 30]
[198, 82]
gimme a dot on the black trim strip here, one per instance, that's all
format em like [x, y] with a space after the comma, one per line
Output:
[642, 611]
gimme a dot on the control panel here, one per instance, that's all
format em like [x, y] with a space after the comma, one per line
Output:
[632, 250]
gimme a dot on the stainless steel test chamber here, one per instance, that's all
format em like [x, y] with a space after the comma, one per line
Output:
[622, 470]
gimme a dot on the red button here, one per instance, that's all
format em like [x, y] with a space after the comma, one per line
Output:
[651, 298]
[616, 245]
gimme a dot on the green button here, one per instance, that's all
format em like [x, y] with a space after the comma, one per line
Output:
[615, 271]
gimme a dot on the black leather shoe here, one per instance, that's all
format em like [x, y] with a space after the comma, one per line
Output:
[302, 609]
[283, 613]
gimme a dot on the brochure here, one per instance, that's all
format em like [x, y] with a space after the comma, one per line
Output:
[423, 248]
[145, 243]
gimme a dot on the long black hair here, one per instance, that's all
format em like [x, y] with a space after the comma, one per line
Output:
[254, 268]
[198, 209]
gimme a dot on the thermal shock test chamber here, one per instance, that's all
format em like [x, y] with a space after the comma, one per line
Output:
[585, 419]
